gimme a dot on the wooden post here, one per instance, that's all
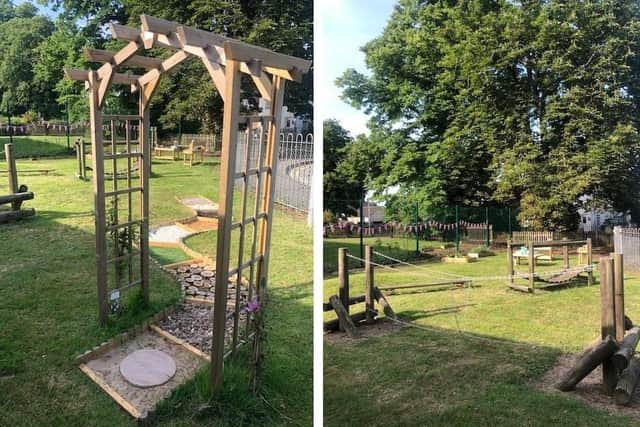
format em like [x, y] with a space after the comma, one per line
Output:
[12, 173]
[532, 262]
[587, 362]
[144, 164]
[589, 262]
[369, 294]
[97, 161]
[510, 261]
[618, 284]
[83, 160]
[343, 277]
[227, 171]
[609, 374]
[565, 255]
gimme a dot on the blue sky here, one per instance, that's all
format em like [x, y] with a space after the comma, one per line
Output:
[345, 26]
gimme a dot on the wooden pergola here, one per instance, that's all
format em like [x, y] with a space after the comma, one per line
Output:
[226, 61]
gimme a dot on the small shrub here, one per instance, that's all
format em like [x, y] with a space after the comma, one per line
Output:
[483, 251]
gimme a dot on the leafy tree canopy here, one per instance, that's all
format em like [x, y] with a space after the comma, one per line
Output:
[529, 103]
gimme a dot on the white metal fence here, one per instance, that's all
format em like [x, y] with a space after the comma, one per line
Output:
[295, 166]
[627, 242]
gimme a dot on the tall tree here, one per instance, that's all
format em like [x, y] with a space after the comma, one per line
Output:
[531, 103]
[341, 187]
[19, 37]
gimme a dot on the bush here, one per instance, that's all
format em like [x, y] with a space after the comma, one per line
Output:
[483, 251]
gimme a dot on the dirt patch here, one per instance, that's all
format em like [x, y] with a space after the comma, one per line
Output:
[107, 368]
[194, 324]
[588, 390]
[380, 328]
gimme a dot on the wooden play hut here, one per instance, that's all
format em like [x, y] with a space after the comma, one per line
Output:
[543, 251]
[226, 60]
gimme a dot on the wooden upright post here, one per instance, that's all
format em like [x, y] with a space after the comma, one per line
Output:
[145, 172]
[618, 285]
[565, 255]
[510, 261]
[589, 263]
[12, 173]
[609, 374]
[532, 268]
[97, 161]
[369, 297]
[343, 277]
[227, 172]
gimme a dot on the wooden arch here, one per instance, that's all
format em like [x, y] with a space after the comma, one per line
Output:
[226, 60]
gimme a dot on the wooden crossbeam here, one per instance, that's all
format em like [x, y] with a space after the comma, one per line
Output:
[99, 55]
[122, 32]
[118, 78]
[165, 66]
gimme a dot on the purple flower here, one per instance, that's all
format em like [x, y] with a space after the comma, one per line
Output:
[253, 306]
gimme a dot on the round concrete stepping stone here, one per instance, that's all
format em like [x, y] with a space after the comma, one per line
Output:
[148, 368]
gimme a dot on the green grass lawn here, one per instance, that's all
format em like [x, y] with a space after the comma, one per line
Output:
[482, 376]
[37, 146]
[48, 311]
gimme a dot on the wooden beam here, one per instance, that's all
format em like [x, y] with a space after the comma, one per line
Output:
[618, 287]
[225, 210]
[245, 52]
[217, 74]
[99, 55]
[343, 277]
[369, 284]
[263, 84]
[346, 323]
[97, 160]
[122, 32]
[165, 66]
[118, 78]
[587, 362]
[132, 410]
[608, 329]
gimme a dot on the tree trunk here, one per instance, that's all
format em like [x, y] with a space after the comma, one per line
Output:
[587, 362]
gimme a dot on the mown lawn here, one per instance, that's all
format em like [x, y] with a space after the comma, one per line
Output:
[38, 146]
[48, 312]
[484, 375]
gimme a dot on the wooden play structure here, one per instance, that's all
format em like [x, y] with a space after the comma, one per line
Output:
[341, 303]
[17, 193]
[615, 351]
[227, 61]
[543, 251]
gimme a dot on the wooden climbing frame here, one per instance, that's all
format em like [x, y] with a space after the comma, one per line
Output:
[226, 60]
[562, 278]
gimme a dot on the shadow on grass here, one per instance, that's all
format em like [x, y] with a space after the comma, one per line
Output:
[443, 378]
[412, 315]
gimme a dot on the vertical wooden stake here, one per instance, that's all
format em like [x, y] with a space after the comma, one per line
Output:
[609, 374]
[565, 255]
[370, 285]
[145, 172]
[97, 160]
[225, 212]
[532, 262]
[510, 261]
[590, 263]
[618, 285]
[343, 277]
[12, 173]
